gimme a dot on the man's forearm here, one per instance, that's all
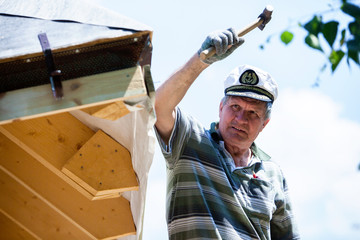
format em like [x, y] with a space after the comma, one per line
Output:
[172, 91]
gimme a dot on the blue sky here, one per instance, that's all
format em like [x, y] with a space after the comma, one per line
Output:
[314, 132]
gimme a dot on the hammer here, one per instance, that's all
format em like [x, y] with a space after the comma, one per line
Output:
[260, 22]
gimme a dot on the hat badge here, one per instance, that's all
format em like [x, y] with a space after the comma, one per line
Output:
[249, 77]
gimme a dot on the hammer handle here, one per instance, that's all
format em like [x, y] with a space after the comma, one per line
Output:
[211, 50]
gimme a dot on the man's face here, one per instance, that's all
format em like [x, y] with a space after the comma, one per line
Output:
[241, 120]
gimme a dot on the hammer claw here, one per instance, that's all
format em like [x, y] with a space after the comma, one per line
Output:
[265, 16]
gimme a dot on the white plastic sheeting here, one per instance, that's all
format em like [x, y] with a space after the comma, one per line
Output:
[135, 132]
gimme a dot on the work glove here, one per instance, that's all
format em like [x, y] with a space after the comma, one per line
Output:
[221, 40]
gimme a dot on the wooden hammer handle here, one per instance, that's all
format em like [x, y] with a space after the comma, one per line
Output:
[211, 50]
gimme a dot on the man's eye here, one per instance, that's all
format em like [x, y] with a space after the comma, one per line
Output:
[254, 114]
[235, 107]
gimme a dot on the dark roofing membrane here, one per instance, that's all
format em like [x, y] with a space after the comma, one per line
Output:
[85, 39]
[66, 23]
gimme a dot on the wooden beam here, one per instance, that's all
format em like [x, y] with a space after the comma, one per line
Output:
[78, 93]
[11, 229]
[104, 219]
[102, 166]
[34, 212]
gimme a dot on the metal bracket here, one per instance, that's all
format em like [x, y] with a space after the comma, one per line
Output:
[54, 74]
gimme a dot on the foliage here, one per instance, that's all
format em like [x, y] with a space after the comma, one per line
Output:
[286, 37]
[341, 42]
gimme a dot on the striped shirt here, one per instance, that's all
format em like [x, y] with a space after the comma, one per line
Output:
[209, 198]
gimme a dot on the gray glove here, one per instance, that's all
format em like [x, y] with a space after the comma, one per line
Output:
[221, 40]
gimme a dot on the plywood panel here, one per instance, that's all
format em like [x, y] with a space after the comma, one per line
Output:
[54, 139]
[51, 139]
[34, 212]
[102, 166]
[103, 218]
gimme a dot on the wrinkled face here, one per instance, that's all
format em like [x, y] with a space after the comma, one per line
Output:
[241, 121]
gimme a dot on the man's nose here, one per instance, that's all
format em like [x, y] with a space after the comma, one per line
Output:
[241, 116]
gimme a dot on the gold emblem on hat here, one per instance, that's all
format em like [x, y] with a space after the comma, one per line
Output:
[249, 77]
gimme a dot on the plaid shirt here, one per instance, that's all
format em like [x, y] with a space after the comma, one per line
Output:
[208, 198]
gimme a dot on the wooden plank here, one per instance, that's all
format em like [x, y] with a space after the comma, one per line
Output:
[52, 140]
[112, 112]
[34, 212]
[94, 109]
[78, 93]
[109, 218]
[102, 166]
[10, 229]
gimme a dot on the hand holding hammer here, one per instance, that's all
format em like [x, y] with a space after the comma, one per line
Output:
[207, 53]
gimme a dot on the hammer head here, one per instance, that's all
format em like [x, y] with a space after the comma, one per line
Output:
[266, 16]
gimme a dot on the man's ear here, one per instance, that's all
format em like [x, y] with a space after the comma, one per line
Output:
[265, 123]
[220, 108]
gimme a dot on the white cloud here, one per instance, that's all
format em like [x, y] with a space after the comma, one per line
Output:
[319, 153]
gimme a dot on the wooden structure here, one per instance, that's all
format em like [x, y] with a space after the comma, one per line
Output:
[70, 168]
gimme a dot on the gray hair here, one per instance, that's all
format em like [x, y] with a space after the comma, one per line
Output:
[268, 106]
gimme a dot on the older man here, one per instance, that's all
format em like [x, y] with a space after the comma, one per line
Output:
[220, 184]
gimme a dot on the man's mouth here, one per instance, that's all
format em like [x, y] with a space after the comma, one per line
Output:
[239, 129]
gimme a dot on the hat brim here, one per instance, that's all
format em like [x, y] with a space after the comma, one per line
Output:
[249, 95]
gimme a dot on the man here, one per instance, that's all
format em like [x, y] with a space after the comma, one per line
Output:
[220, 184]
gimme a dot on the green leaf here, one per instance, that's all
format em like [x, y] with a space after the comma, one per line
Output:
[353, 45]
[312, 41]
[354, 56]
[342, 40]
[354, 28]
[351, 9]
[335, 58]
[286, 37]
[329, 31]
[314, 25]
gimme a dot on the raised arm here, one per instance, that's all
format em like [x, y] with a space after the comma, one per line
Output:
[172, 91]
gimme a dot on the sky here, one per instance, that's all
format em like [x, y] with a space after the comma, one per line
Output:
[314, 131]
